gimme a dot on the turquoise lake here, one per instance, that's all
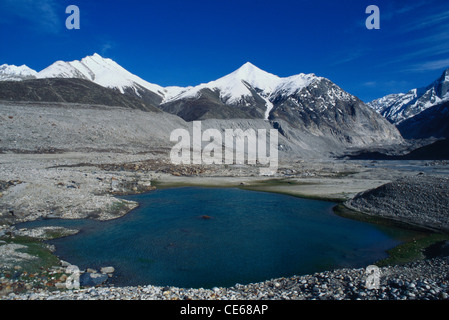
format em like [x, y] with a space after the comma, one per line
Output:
[206, 237]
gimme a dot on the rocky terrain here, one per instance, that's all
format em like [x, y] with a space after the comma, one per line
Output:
[77, 185]
[428, 280]
[421, 200]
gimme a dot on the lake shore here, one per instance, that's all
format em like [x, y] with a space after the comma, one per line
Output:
[74, 185]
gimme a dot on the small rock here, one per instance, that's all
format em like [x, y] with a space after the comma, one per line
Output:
[60, 285]
[107, 270]
[65, 263]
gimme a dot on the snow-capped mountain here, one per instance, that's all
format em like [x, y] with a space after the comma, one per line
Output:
[309, 111]
[106, 73]
[16, 73]
[302, 107]
[235, 86]
[400, 107]
[246, 88]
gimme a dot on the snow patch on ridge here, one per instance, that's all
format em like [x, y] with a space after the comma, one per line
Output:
[16, 73]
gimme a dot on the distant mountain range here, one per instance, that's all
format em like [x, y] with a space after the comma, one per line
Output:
[419, 113]
[309, 111]
[15, 73]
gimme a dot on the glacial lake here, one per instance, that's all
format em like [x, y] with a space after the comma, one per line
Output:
[206, 237]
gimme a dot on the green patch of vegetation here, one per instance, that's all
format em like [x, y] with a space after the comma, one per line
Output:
[56, 234]
[278, 182]
[416, 239]
[342, 211]
[44, 258]
[117, 206]
[344, 174]
[412, 250]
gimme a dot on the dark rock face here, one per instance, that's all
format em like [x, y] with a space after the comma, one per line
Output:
[324, 109]
[69, 90]
[433, 122]
[140, 93]
[207, 106]
[442, 84]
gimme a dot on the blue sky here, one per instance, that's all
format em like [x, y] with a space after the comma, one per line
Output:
[185, 43]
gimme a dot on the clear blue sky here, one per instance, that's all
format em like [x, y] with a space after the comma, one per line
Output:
[189, 42]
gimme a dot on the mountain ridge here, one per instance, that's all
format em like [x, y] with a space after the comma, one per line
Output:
[402, 106]
[308, 110]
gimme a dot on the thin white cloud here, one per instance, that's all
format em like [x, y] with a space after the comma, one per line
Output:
[431, 65]
[427, 22]
[43, 15]
[391, 11]
[370, 84]
[106, 46]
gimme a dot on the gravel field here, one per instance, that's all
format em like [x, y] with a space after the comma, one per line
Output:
[421, 200]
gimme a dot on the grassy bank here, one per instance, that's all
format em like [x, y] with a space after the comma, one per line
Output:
[413, 247]
[43, 257]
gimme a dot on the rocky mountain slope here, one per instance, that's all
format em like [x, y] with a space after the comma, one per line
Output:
[68, 90]
[431, 123]
[307, 109]
[400, 107]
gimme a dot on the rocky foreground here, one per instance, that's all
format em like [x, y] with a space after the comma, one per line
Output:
[425, 280]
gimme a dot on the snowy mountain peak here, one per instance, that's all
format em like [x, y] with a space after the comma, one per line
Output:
[257, 78]
[249, 71]
[102, 71]
[16, 73]
[239, 85]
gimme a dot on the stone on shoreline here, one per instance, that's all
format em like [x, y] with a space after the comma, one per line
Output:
[107, 270]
